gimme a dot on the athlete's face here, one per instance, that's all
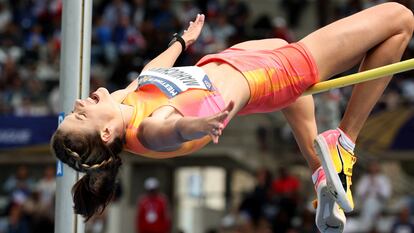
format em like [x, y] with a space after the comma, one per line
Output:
[93, 113]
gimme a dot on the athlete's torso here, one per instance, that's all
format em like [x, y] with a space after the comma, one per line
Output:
[229, 82]
[183, 91]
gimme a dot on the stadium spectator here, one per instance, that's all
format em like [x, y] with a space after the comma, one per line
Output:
[153, 214]
[372, 191]
[285, 185]
[38, 215]
[187, 12]
[254, 204]
[403, 223]
[116, 10]
[281, 30]
[19, 185]
[285, 190]
[294, 9]
[5, 16]
[46, 187]
[222, 30]
[238, 13]
[17, 223]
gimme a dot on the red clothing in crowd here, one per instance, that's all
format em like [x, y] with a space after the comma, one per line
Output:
[285, 185]
[153, 214]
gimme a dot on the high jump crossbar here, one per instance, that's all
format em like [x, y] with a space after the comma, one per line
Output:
[360, 77]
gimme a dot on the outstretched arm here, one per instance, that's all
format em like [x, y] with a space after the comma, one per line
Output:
[168, 134]
[167, 58]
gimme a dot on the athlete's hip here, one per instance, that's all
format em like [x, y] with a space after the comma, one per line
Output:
[275, 78]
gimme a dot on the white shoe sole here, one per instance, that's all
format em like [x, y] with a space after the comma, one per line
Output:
[329, 217]
[334, 184]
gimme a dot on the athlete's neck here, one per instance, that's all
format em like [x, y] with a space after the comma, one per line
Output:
[127, 113]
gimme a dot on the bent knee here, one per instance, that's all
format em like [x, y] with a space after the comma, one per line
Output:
[403, 16]
[407, 19]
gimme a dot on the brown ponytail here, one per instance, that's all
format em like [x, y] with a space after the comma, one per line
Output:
[93, 192]
[100, 162]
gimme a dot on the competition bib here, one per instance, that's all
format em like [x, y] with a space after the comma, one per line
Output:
[173, 81]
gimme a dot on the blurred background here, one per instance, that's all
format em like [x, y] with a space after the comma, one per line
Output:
[254, 180]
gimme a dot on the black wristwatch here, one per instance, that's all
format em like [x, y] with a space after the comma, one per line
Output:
[177, 37]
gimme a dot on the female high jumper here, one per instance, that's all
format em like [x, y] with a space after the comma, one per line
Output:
[173, 111]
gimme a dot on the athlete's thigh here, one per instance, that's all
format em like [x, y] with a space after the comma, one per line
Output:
[261, 44]
[342, 44]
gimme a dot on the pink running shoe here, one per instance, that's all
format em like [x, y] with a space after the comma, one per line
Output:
[337, 163]
[330, 218]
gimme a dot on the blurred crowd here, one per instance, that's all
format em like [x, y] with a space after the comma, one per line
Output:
[126, 34]
[282, 202]
[279, 202]
[273, 203]
[29, 203]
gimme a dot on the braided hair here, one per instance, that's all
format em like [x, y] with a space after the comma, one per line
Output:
[99, 161]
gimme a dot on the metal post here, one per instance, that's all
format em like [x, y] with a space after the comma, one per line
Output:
[74, 84]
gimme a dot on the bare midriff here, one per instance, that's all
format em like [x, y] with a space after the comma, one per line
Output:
[230, 83]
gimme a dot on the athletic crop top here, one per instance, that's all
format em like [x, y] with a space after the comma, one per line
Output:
[187, 89]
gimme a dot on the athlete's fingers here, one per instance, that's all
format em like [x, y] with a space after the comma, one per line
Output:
[229, 106]
[200, 18]
[218, 125]
[222, 116]
[214, 138]
[215, 131]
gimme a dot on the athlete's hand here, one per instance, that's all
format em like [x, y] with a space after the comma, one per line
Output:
[194, 29]
[214, 125]
[190, 128]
